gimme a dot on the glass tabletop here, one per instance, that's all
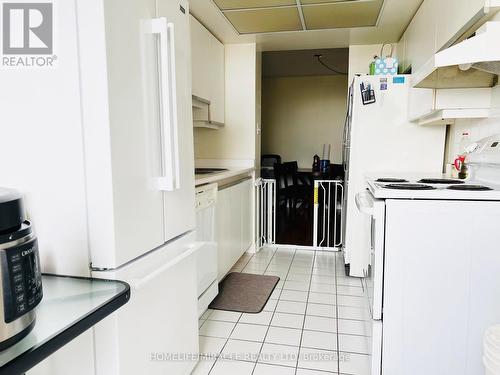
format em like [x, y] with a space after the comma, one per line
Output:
[70, 306]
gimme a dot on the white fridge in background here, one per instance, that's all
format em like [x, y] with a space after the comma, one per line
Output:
[378, 137]
[102, 146]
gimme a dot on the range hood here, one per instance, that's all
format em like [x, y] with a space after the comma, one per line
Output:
[201, 114]
[472, 63]
[445, 106]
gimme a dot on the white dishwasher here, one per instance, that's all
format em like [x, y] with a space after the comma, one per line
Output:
[206, 260]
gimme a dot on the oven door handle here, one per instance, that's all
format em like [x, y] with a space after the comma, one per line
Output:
[365, 203]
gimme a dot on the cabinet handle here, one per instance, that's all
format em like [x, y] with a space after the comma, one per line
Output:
[170, 179]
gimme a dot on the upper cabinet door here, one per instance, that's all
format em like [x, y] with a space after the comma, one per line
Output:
[208, 67]
[420, 37]
[460, 15]
[216, 64]
[200, 55]
[179, 201]
[133, 126]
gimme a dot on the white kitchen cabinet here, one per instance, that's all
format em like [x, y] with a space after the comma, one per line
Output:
[234, 224]
[246, 214]
[222, 230]
[208, 71]
[421, 35]
[458, 16]
[440, 23]
[402, 55]
[200, 54]
[217, 80]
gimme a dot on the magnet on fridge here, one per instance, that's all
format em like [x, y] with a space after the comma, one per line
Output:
[398, 80]
[383, 84]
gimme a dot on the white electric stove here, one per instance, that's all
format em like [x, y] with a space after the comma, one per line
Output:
[434, 279]
[424, 186]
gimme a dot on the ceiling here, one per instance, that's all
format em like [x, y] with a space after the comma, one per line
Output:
[259, 16]
[305, 24]
[304, 63]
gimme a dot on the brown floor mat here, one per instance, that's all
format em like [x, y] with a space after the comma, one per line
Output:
[244, 292]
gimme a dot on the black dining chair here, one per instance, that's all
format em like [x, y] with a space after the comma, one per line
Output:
[336, 172]
[267, 163]
[302, 190]
[282, 185]
[291, 192]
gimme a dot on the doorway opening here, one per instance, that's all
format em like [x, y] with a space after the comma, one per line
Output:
[304, 104]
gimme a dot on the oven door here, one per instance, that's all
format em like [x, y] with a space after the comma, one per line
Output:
[374, 209]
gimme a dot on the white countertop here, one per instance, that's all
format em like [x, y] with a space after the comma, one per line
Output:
[202, 179]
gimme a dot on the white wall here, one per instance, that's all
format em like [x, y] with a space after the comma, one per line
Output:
[477, 129]
[360, 58]
[300, 114]
[40, 108]
[258, 112]
[236, 140]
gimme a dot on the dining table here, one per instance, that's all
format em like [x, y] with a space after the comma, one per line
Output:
[309, 176]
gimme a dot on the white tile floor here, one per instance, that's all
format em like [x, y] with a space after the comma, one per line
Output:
[315, 323]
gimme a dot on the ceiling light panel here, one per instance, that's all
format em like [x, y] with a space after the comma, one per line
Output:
[342, 14]
[265, 20]
[308, 2]
[248, 4]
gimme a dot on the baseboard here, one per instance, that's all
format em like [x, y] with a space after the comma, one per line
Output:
[207, 297]
[309, 248]
[252, 249]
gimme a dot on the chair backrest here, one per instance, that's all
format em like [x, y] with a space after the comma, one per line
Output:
[269, 160]
[291, 169]
[281, 176]
[336, 171]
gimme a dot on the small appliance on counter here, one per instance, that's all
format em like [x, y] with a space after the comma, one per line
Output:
[325, 161]
[20, 274]
[465, 148]
[316, 167]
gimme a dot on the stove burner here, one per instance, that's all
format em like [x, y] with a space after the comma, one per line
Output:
[470, 187]
[392, 180]
[446, 181]
[409, 187]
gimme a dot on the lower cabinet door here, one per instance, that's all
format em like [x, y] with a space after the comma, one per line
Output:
[234, 224]
[223, 232]
[247, 192]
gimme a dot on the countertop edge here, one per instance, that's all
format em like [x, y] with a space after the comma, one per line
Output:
[216, 177]
[30, 358]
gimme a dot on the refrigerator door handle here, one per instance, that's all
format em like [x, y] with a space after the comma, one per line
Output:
[137, 284]
[169, 180]
[173, 101]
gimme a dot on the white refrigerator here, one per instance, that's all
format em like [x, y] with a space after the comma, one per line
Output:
[378, 137]
[102, 146]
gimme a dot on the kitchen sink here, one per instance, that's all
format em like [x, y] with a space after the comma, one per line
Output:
[209, 170]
